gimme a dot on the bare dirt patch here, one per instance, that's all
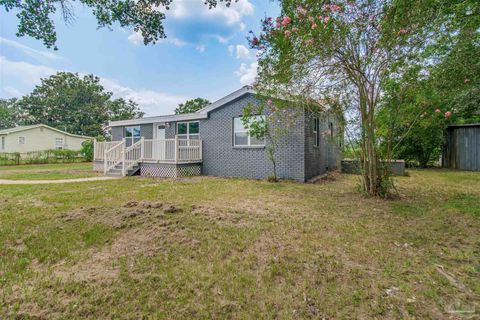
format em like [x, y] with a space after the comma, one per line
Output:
[145, 229]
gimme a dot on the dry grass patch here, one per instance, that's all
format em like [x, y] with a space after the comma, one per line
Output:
[233, 248]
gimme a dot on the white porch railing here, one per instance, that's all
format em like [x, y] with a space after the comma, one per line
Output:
[99, 148]
[173, 150]
[167, 150]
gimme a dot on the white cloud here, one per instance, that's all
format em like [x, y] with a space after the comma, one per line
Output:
[201, 48]
[18, 78]
[247, 73]
[175, 41]
[231, 48]
[242, 26]
[12, 92]
[230, 15]
[152, 102]
[242, 52]
[22, 73]
[34, 53]
[136, 38]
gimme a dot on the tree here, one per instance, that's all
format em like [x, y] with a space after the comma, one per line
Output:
[437, 94]
[146, 16]
[74, 104]
[192, 105]
[341, 55]
[9, 113]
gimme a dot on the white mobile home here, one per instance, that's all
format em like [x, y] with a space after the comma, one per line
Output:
[38, 138]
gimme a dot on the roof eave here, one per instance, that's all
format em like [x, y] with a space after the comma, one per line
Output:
[169, 118]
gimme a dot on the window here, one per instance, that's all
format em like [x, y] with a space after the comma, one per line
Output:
[316, 131]
[3, 143]
[188, 130]
[59, 143]
[21, 140]
[241, 138]
[132, 134]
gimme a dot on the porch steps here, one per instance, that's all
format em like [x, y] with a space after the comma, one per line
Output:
[117, 171]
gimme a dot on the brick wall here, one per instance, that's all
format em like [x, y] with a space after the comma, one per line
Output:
[220, 158]
[326, 156]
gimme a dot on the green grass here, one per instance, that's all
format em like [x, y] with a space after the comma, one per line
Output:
[236, 248]
[47, 171]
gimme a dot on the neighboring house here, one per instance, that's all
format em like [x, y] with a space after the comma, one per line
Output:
[212, 141]
[462, 147]
[38, 138]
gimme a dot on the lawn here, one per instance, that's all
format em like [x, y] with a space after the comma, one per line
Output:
[47, 171]
[234, 248]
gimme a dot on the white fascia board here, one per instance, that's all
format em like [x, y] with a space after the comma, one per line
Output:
[168, 118]
[232, 96]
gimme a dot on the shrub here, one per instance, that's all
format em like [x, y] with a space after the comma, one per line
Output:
[87, 150]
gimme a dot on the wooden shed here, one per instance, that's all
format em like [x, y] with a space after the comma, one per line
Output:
[462, 147]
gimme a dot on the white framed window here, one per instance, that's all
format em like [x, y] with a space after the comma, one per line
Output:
[132, 134]
[241, 138]
[3, 143]
[21, 140]
[316, 131]
[188, 130]
[58, 143]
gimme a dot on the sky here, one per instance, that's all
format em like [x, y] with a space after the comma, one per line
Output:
[205, 54]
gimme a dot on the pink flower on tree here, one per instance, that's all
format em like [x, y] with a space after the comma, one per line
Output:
[294, 30]
[287, 33]
[301, 10]
[437, 110]
[286, 21]
[403, 31]
[448, 114]
[309, 42]
[314, 26]
[255, 41]
[278, 22]
[269, 102]
[326, 19]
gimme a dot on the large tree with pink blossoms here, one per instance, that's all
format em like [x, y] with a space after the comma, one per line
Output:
[340, 55]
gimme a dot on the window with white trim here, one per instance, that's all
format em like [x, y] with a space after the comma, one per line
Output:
[132, 134]
[316, 131]
[58, 143]
[21, 140]
[188, 130]
[241, 138]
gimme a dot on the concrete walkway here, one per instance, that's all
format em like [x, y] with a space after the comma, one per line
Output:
[4, 181]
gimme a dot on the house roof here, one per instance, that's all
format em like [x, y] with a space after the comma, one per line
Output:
[24, 128]
[464, 125]
[200, 114]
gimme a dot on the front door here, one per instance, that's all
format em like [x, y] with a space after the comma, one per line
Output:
[159, 144]
[160, 132]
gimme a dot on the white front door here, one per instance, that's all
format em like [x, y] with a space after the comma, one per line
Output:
[159, 146]
[160, 131]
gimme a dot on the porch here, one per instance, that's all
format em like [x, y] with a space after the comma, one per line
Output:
[161, 157]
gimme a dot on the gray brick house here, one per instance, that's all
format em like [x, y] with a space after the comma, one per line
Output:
[212, 141]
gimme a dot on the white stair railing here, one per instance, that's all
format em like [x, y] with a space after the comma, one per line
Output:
[113, 156]
[132, 156]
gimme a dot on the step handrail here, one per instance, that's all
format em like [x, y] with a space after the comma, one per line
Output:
[132, 156]
[113, 156]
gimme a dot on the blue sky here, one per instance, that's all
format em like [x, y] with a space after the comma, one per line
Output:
[205, 55]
